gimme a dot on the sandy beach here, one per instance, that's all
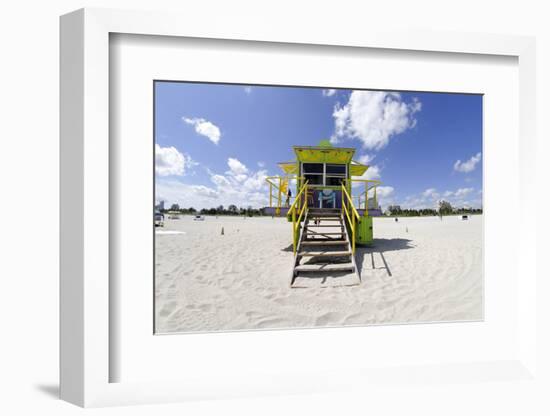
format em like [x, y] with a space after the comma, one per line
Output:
[418, 270]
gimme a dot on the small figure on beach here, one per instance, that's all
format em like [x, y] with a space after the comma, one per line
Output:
[288, 196]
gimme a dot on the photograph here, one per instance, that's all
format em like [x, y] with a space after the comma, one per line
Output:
[292, 207]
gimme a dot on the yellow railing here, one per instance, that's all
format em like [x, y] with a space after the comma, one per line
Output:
[297, 210]
[365, 194]
[280, 185]
[351, 214]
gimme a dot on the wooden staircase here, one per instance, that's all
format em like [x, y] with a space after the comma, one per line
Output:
[324, 255]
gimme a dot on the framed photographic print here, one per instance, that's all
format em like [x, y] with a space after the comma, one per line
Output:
[379, 223]
[249, 215]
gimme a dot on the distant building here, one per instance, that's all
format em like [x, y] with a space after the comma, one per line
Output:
[160, 206]
[373, 204]
[392, 208]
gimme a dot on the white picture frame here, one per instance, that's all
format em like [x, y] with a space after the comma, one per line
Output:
[85, 263]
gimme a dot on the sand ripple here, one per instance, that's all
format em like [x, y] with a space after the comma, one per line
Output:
[419, 270]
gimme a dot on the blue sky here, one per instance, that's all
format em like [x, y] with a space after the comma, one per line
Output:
[215, 143]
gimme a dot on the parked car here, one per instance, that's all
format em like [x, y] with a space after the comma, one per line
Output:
[159, 219]
[198, 218]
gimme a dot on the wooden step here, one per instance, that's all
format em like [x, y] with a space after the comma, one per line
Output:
[325, 220]
[333, 267]
[324, 225]
[324, 253]
[325, 243]
[336, 220]
[327, 215]
[330, 239]
[321, 233]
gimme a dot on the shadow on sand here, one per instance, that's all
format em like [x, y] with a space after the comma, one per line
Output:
[290, 249]
[379, 247]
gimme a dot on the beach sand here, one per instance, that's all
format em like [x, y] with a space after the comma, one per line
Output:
[418, 270]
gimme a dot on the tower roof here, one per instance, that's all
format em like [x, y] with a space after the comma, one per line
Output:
[325, 152]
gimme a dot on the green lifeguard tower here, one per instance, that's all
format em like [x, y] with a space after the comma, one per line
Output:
[331, 209]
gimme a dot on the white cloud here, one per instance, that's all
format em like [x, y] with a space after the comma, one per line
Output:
[430, 199]
[462, 192]
[219, 180]
[430, 193]
[374, 117]
[250, 193]
[384, 195]
[241, 186]
[205, 128]
[384, 191]
[329, 92]
[469, 165]
[365, 159]
[373, 172]
[176, 192]
[256, 181]
[236, 167]
[240, 178]
[205, 191]
[248, 89]
[261, 164]
[170, 161]
[292, 183]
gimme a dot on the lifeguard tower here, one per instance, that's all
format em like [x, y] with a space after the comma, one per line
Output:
[330, 209]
